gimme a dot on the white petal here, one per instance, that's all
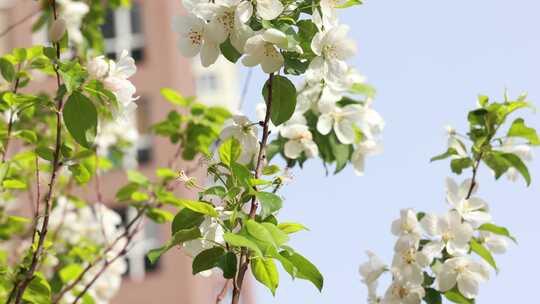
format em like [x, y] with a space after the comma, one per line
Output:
[244, 11]
[273, 61]
[216, 32]
[344, 131]
[324, 124]
[446, 279]
[293, 149]
[209, 54]
[187, 48]
[276, 37]
[467, 286]
[269, 9]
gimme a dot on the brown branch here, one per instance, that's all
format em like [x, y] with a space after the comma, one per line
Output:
[475, 171]
[11, 118]
[21, 286]
[244, 255]
[221, 295]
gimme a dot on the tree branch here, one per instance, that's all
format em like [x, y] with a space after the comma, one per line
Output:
[244, 255]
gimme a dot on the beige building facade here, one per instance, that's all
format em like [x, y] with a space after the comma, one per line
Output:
[146, 32]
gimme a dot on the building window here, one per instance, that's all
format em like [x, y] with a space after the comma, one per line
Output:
[207, 83]
[144, 144]
[123, 30]
[148, 238]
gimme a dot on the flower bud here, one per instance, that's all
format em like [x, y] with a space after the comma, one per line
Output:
[57, 30]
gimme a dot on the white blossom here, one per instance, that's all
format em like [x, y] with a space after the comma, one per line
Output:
[114, 76]
[372, 269]
[473, 209]
[332, 47]
[263, 49]
[212, 234]
[463, 271]
[300, 140]
[342, 121]
[407, 259]
[495, 243]
[242, 129]
[73, 13]
[363, 149]
[402, 291]
[407, 224]
[450, 230]
[269, 9]
[194, 39]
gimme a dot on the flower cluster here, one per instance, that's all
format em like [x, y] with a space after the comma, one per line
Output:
[270, 34]
[114, 76]
[87, 227]
[433, 253]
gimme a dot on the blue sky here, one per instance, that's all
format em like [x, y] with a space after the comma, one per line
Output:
[428, 61]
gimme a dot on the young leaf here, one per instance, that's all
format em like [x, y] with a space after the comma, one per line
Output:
[174, 97]
[241, 241]
[448, 153]
[457, 165]
[516, 162]
[228, 264]
[283, 99]
[455, 296]
[270, 203]
[229, 52]
[305, 269]
[265, 271]
[80, 117]
[200, 207]
[484, 253]
[291, 227]
[277, 234]
[259, 232]
[229, 151]
[497, 230]
[519, 129]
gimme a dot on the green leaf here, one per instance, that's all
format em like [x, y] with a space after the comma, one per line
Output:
[448, 153]
[174, 97]
[455, 296]
[242, 174]
[80, 118]
[215, 190]
[265, 271]
[259, 232]
[270, 170]
[159, 216]
[80, 173]
[516, 162]
[497, 230]
[186, 219]
[363, 89]
[279, 237]
[283, 99]
[519, 129]
[304, 268]
[154, 254]
[484, 253]
[432, 296]
[457, 165]
[7, 69]
[291, 227]
[200, 207]
[166, 173]
[229, 151]
[207, 259]
[228, 264]
[137, 177]
[14, 184]
[241, 241]
[38, 291]
[178, 238]
[349, 3]
[70, 272]
[45, 152]
[270, 203]
[229, 52]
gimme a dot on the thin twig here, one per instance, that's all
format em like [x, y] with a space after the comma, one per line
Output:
[244, 258]
[36, 256]
[223, 292]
